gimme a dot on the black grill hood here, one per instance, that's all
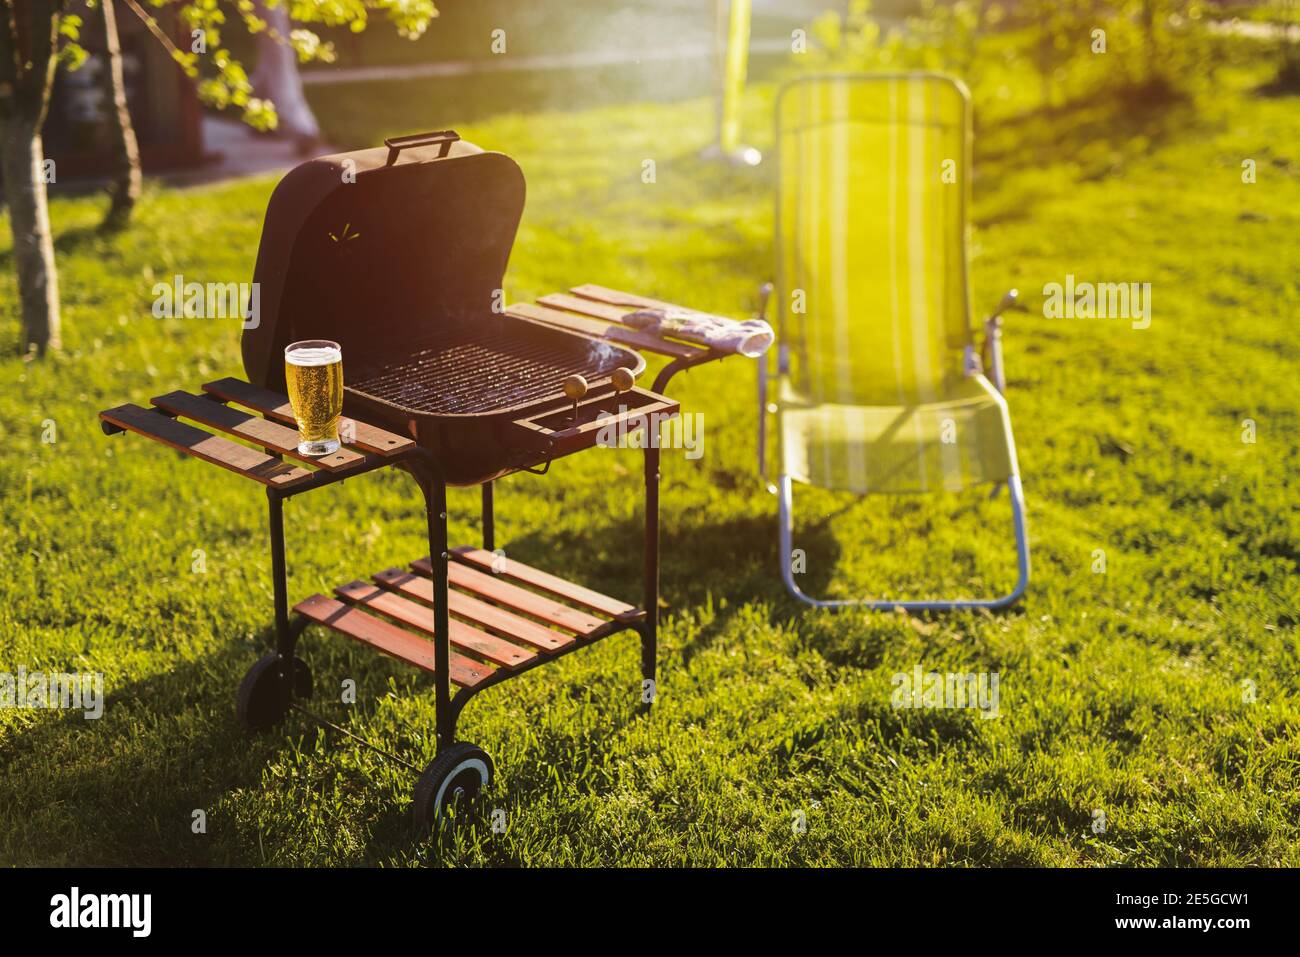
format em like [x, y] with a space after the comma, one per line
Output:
[378, 248]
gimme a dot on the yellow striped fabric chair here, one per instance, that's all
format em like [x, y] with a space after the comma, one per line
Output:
[878, 386]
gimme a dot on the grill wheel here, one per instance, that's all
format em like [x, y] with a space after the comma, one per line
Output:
[267, 689]
[451, 783]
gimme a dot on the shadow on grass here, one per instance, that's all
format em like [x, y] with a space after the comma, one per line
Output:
[67, 242]
[122, 789]
[1088, 139]
[1286, 82]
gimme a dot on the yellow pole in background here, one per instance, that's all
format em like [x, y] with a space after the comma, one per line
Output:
[732, 57]
[733, 83]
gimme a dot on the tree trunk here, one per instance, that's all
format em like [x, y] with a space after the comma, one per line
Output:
[276, 77]
[21, 165]
[1045, 55]
[1152, 45]
[124, 188]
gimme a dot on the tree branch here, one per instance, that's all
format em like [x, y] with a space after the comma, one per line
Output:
[158, 33]
[35, 83]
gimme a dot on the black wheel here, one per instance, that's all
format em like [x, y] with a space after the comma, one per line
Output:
[451, 782]
[264, 694]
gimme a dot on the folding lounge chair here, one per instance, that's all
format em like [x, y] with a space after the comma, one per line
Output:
[878, 386]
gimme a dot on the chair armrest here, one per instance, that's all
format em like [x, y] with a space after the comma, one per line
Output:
[991, 351]
[1010, 300]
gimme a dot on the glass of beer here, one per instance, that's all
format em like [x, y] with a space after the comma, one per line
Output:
[313, 371]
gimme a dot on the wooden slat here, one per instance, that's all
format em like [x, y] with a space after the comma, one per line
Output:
[616, 297]
[462, 636]
[494, 589]
[368, 438]
[586, 307]
[266, 433]
[204, 445]
[605, 330]
[388, 638]
[489, 616]
[252, 397]
[555, 317]
[546, 581]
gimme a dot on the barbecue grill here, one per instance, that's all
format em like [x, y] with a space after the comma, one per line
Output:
[398, 254]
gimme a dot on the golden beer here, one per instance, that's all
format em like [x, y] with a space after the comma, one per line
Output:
[313, 372]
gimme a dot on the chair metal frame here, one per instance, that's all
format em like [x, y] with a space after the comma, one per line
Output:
[990, 354]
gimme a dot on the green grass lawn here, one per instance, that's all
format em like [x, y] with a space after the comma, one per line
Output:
[1120, 691]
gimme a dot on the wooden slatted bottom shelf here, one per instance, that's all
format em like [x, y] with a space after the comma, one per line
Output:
[505, 616]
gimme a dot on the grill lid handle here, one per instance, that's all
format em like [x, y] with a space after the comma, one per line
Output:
[396, 144]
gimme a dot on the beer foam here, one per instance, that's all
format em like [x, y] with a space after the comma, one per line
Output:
[316, 356]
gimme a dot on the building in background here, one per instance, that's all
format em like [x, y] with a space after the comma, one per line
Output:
[164, 106]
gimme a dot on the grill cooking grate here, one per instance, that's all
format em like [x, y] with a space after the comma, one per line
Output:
[483, 371]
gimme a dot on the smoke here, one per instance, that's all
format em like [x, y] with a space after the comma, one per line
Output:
[603, 355]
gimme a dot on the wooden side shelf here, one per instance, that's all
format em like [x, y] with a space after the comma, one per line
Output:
[598, 311]
[265, 432]
[481, 613]
[269, 424]
[240, 459]
[500, 623]
[464, 636]
[368, 438]
[388, 638]
[494, 589]
[486, 560]
[594, 327]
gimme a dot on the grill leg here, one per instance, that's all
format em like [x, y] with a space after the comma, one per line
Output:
[435, 506]
[489, 524]
[650, 629]
[285, 637]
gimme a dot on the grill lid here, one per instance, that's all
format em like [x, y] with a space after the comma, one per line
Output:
[378, 248]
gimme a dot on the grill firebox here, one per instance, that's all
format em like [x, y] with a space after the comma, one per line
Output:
[485, 370]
